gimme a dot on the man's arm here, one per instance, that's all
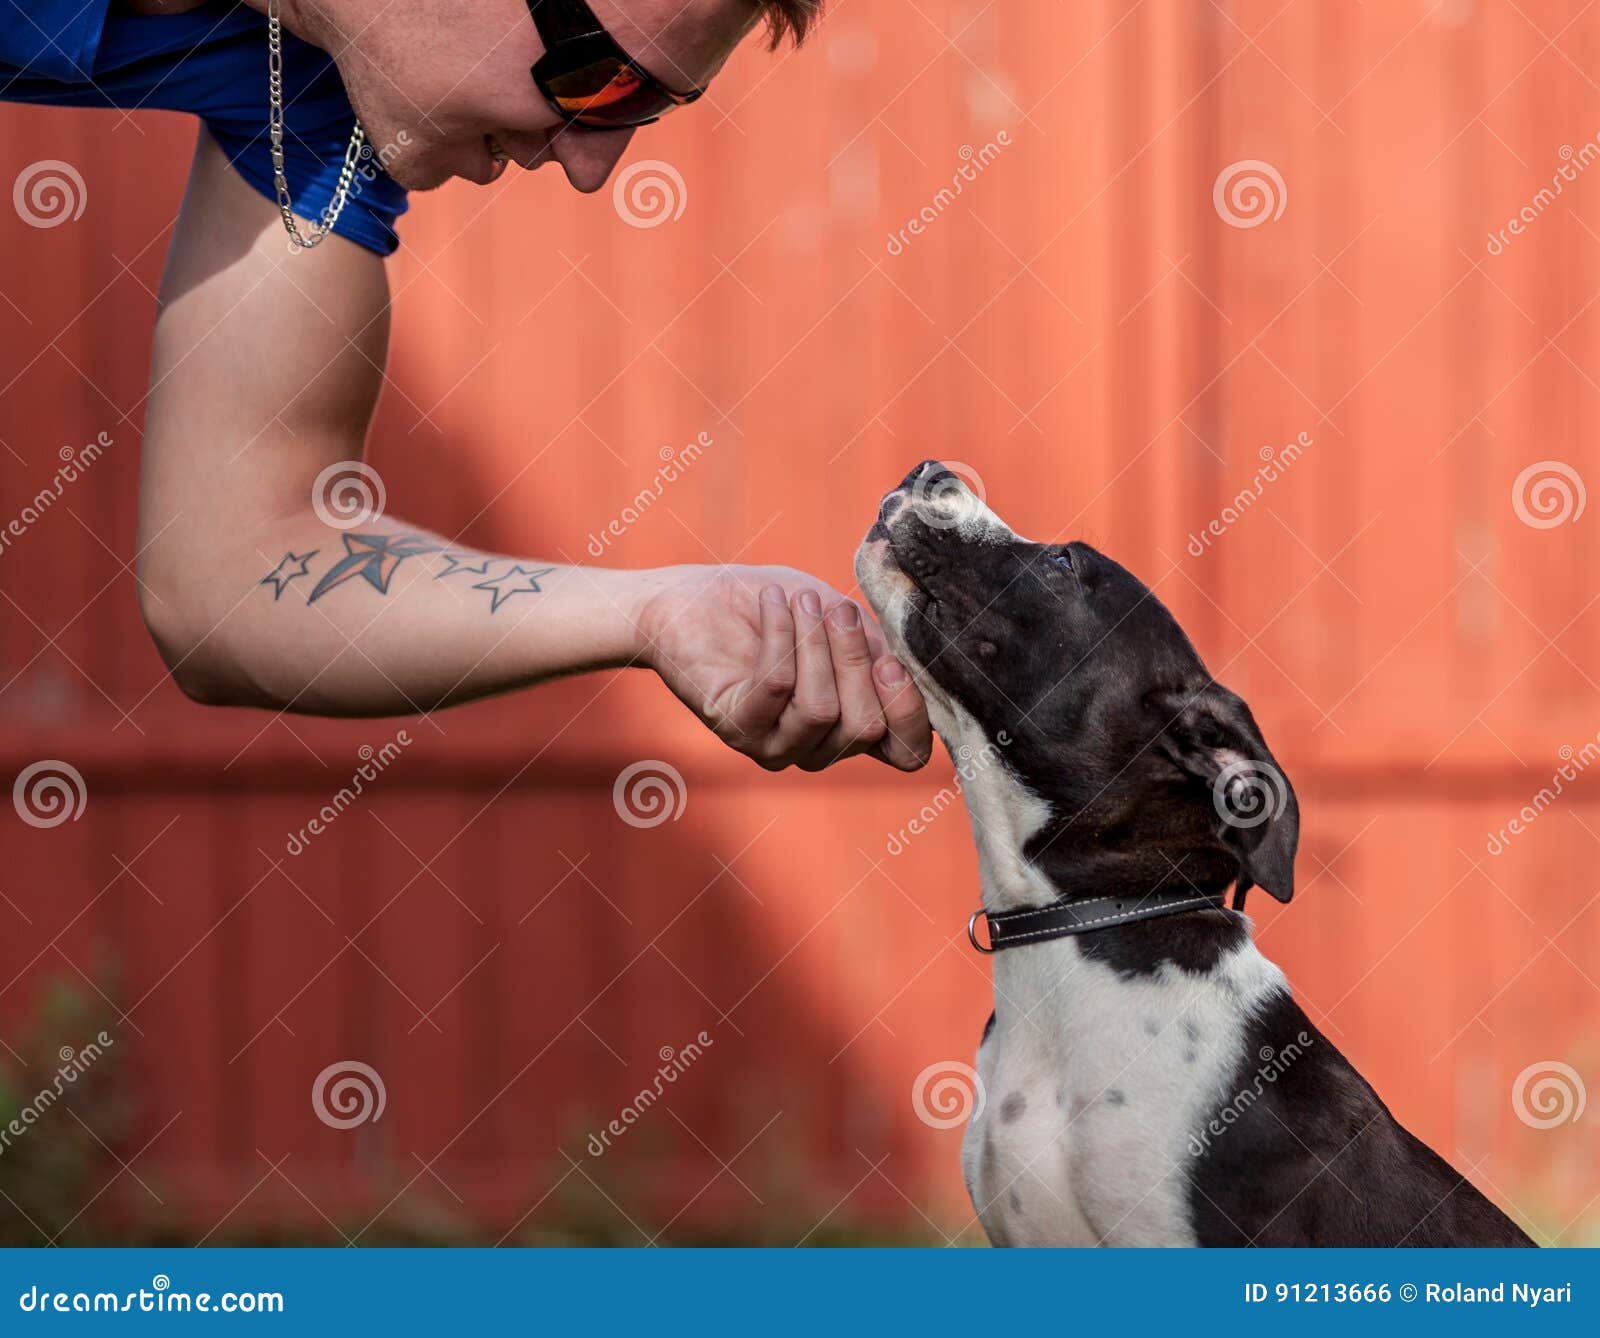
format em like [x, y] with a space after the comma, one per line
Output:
[266, 371]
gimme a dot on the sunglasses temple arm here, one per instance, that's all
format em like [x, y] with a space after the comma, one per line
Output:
[562, 20]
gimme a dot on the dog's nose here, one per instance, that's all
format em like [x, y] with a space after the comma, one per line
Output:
[929, 480]
[928, 474]
[944, 497]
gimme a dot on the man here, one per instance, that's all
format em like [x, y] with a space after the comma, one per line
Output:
[269, 356]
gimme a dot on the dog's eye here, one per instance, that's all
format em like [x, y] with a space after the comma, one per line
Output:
[1062, 559]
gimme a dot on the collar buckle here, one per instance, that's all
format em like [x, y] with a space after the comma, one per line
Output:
[972, 931]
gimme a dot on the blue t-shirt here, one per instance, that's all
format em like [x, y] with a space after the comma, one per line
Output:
[211, 61]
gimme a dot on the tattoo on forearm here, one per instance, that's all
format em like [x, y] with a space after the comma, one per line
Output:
[293, 566]
[518, 581]
[374, 558]
[458, 562]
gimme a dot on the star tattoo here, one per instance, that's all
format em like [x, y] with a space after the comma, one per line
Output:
[373, 557]
[458, 562]
[518, 581]
[294, 565]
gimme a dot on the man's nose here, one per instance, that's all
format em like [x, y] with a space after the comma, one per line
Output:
[589, 156]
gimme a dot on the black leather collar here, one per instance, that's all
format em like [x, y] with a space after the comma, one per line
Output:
[1010, 928]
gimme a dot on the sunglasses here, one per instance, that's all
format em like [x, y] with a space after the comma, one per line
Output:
[588, 79]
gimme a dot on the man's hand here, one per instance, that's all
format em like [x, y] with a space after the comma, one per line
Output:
[783, 668]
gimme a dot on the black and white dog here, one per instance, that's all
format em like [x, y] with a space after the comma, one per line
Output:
[1149, 1078]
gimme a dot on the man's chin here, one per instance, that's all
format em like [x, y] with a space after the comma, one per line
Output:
[420, 178]
[411, 176]
[423, 170]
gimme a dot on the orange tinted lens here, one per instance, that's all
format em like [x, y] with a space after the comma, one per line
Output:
[621, 85]
[606, 90]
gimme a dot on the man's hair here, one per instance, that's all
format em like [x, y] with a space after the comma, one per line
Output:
[790, 18]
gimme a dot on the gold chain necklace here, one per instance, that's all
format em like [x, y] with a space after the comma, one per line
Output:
[315, 233]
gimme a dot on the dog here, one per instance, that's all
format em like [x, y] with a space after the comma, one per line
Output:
[1149, 1079]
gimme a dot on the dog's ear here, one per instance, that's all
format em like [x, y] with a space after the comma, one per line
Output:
[1211, 735]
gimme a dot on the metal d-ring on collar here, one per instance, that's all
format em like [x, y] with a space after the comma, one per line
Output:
[1008, 929]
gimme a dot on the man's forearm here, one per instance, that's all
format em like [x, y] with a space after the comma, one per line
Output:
[387, 619]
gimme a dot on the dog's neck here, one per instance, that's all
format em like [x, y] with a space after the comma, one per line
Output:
[1005, 816]
[1001, 829]
[1198, 948]
[1004, 813]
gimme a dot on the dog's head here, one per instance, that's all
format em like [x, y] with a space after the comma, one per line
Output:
[1097, 753]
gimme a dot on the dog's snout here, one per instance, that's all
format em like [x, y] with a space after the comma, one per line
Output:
[928, 474]
[929, 484]
[944, 498]
[921, 482]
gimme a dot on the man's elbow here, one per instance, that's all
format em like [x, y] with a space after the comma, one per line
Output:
[205, 667]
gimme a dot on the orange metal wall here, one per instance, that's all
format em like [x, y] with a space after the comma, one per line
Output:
[1080, 327]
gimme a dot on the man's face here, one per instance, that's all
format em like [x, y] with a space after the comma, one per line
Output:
[440, 85]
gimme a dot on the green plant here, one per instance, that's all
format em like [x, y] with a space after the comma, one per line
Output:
[61, 1113]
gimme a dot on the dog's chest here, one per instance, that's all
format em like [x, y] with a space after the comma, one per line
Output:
[1094, 1084]
[1016, 1156]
